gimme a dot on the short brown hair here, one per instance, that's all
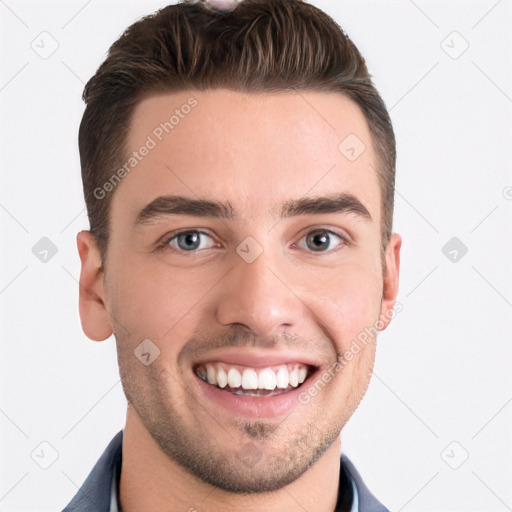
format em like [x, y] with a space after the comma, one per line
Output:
[260, 46]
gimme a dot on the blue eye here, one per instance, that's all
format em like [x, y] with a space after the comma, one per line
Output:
[322, 240]
[190, 241]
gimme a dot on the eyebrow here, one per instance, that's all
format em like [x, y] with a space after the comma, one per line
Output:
[180, 205]
[337, 203]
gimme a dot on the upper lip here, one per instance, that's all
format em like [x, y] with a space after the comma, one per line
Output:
[258, 358]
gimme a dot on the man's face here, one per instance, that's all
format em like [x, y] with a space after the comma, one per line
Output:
[280, 274]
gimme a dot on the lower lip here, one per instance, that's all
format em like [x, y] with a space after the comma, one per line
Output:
[256, 406]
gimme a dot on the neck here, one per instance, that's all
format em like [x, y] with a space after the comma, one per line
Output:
[152, 481]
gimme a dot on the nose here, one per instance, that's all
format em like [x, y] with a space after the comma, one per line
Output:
[259, 296]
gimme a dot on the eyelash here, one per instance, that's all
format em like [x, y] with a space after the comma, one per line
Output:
[164, 246]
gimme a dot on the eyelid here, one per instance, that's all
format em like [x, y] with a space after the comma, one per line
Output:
[329, 229]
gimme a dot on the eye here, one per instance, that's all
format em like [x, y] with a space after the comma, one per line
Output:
[322, 240]
[189, 241]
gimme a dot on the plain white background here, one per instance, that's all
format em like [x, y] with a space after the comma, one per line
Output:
[434, 431]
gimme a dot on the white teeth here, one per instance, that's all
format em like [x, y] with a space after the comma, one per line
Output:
[234, 378]
[282, 377]
[249, 379]
[294, 378]
[267, 379]
[210, 374]
[222, 378]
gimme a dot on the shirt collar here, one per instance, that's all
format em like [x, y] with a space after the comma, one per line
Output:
[355, 496]
[114, 488]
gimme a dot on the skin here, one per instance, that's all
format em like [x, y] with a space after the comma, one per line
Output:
[255, 151]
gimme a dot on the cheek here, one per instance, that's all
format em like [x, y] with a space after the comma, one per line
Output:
[347, 302]
[153, 300]
[349, 311]
[352, 311]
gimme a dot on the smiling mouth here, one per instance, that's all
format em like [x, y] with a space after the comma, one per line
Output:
[254, 381]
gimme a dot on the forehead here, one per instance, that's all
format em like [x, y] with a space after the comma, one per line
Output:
[254, 150]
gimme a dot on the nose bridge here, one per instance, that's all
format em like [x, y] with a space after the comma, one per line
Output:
[256, 295]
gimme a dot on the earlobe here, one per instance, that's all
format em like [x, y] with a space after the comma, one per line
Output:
[390, 283]
[94, 316]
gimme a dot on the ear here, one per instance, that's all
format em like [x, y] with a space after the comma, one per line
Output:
[390, 282]
[95, 318]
